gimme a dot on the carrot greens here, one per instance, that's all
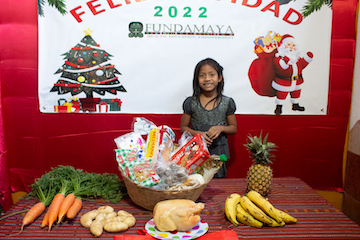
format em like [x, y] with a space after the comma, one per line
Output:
[85, 185]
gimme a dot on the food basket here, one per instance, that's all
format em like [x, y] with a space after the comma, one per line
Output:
[148, 197]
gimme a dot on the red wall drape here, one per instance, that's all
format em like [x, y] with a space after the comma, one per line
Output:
[310, 147]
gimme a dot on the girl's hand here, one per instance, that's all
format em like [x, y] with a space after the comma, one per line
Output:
[207, 139]
[214, 131]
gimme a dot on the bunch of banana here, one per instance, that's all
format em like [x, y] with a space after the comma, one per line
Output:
[231, 203]
[254, 210]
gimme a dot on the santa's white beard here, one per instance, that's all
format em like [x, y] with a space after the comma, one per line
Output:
[293, 55]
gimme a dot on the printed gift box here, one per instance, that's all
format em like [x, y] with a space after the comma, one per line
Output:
[61, 108]
[102, 107]
[75, 105]
[192, 154]
[115, 104]
[66, 107]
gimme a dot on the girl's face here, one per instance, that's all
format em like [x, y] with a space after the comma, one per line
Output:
[208, 78]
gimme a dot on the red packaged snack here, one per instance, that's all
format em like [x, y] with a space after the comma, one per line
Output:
[192, 154]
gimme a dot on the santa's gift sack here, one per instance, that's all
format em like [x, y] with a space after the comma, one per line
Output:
[115, 104]
[261, 74]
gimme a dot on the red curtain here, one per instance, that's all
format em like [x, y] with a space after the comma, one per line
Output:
[5, 193]
[310, 147]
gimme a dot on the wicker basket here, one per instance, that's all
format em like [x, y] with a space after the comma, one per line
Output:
[148, 197]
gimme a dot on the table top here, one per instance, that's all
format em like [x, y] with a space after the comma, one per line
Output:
[317, 218]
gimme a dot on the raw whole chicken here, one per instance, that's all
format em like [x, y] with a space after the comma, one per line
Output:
[177, 214]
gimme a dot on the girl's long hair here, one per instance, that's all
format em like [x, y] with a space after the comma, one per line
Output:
[196, 86]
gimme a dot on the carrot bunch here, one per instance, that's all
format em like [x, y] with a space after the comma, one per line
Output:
[63, 189]
[35, 211]
[60, 206]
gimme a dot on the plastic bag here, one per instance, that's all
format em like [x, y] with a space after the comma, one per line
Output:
[130, 141]
[142, 125]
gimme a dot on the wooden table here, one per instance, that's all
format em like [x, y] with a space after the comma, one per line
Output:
[317, 219]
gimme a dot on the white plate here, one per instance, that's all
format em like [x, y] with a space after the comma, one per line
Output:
[198, 230]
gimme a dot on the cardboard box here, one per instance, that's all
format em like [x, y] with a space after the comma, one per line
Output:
[192, 154]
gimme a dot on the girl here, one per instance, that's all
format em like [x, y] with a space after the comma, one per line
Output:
[208, 111]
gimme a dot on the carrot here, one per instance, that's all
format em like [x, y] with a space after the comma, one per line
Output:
[56, 203]
[34, 212]
[74, 209]
[65, 205]
[45, 220]
[54, 208]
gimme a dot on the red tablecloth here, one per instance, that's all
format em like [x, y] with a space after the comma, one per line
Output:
[317, 219]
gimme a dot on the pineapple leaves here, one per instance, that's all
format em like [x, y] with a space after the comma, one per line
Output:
[260, 149]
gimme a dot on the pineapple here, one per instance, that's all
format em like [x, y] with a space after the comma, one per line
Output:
[259, 175]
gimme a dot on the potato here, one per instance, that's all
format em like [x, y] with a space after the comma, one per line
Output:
[110, 215]
[96, 228]
[121, 218]
[93, 213]
[88, 217]
[123, 213]
[115, 227]
[100, 216]
[106, 209]
[106, 220]
[130, 221]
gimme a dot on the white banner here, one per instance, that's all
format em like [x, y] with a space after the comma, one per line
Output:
[138, 57]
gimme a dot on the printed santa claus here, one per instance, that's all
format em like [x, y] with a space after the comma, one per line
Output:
[288, 67]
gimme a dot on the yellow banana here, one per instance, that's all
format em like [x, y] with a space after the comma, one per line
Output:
[287, 218]
[246, 218]
[276, 224]
[230, 207]
[256, 212]
[264, 205]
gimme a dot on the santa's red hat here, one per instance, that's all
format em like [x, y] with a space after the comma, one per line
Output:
[285, 38]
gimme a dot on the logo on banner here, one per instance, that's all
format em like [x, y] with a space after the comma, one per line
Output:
[136, 29]
[180, 30]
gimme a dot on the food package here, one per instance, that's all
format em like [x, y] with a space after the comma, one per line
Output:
[192, 154]
[171, 173]
[160, 143]
[127, 158]
[166, 143]
[130, 141]
[211, 166]
[194, 180]
[142, 126]
[144, 174]
[152, 145]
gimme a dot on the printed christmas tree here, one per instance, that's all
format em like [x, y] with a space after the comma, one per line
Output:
[87, 69]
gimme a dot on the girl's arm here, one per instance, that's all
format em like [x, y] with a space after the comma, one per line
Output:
[185, 124]
[231, 128]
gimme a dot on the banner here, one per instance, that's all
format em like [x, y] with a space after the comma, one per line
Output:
[138, 57]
